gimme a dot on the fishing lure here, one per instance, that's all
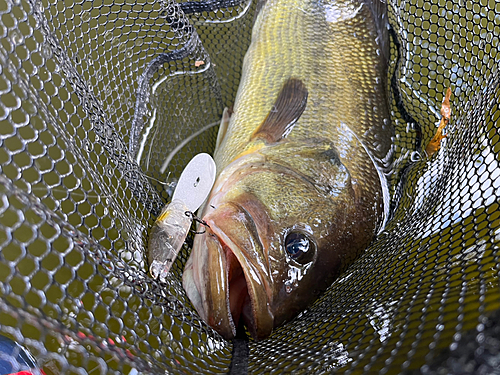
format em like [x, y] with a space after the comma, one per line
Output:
[172, 225]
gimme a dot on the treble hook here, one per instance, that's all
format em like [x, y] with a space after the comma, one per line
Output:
[192, 216]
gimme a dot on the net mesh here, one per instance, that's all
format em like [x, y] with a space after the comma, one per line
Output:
[95, 97]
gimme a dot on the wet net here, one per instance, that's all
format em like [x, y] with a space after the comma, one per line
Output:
[102, 103]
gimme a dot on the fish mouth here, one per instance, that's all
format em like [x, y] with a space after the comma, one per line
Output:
[226, 277]
[239, 299]
[240, 302]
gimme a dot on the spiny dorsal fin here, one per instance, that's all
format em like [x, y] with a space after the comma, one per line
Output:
[287, 109]
[224, 124]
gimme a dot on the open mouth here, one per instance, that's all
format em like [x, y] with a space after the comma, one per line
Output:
[239, 299]
[227, 277]
[237, 285]
[246, 276]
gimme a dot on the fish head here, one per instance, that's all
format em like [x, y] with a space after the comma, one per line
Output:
[282, 224]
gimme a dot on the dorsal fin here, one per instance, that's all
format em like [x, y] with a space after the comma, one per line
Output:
[285, 112]
[224, 124]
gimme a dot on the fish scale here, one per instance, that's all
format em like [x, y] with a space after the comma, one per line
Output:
[336, 60]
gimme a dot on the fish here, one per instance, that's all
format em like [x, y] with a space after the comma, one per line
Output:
[302, 165]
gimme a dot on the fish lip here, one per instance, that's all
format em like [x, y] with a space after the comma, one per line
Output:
[258, 285]
[206, 284]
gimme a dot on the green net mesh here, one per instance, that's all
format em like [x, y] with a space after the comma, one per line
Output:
[94, 97]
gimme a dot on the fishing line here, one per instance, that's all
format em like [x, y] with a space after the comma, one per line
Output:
[164, 183]
[152, 119]
[173, 153]
[151, 148]
[185, 142]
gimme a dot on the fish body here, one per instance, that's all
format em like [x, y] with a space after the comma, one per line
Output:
[300, 191]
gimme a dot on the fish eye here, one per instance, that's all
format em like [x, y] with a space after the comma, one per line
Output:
[300, 247]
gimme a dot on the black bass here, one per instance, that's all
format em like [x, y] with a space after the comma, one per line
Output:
[300, 191]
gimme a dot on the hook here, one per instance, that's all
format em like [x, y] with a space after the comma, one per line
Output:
[198, 220]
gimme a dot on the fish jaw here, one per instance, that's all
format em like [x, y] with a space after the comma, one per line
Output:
[206, 284]
[227, 278]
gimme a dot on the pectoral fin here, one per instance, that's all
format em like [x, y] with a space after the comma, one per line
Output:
[285, 112]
